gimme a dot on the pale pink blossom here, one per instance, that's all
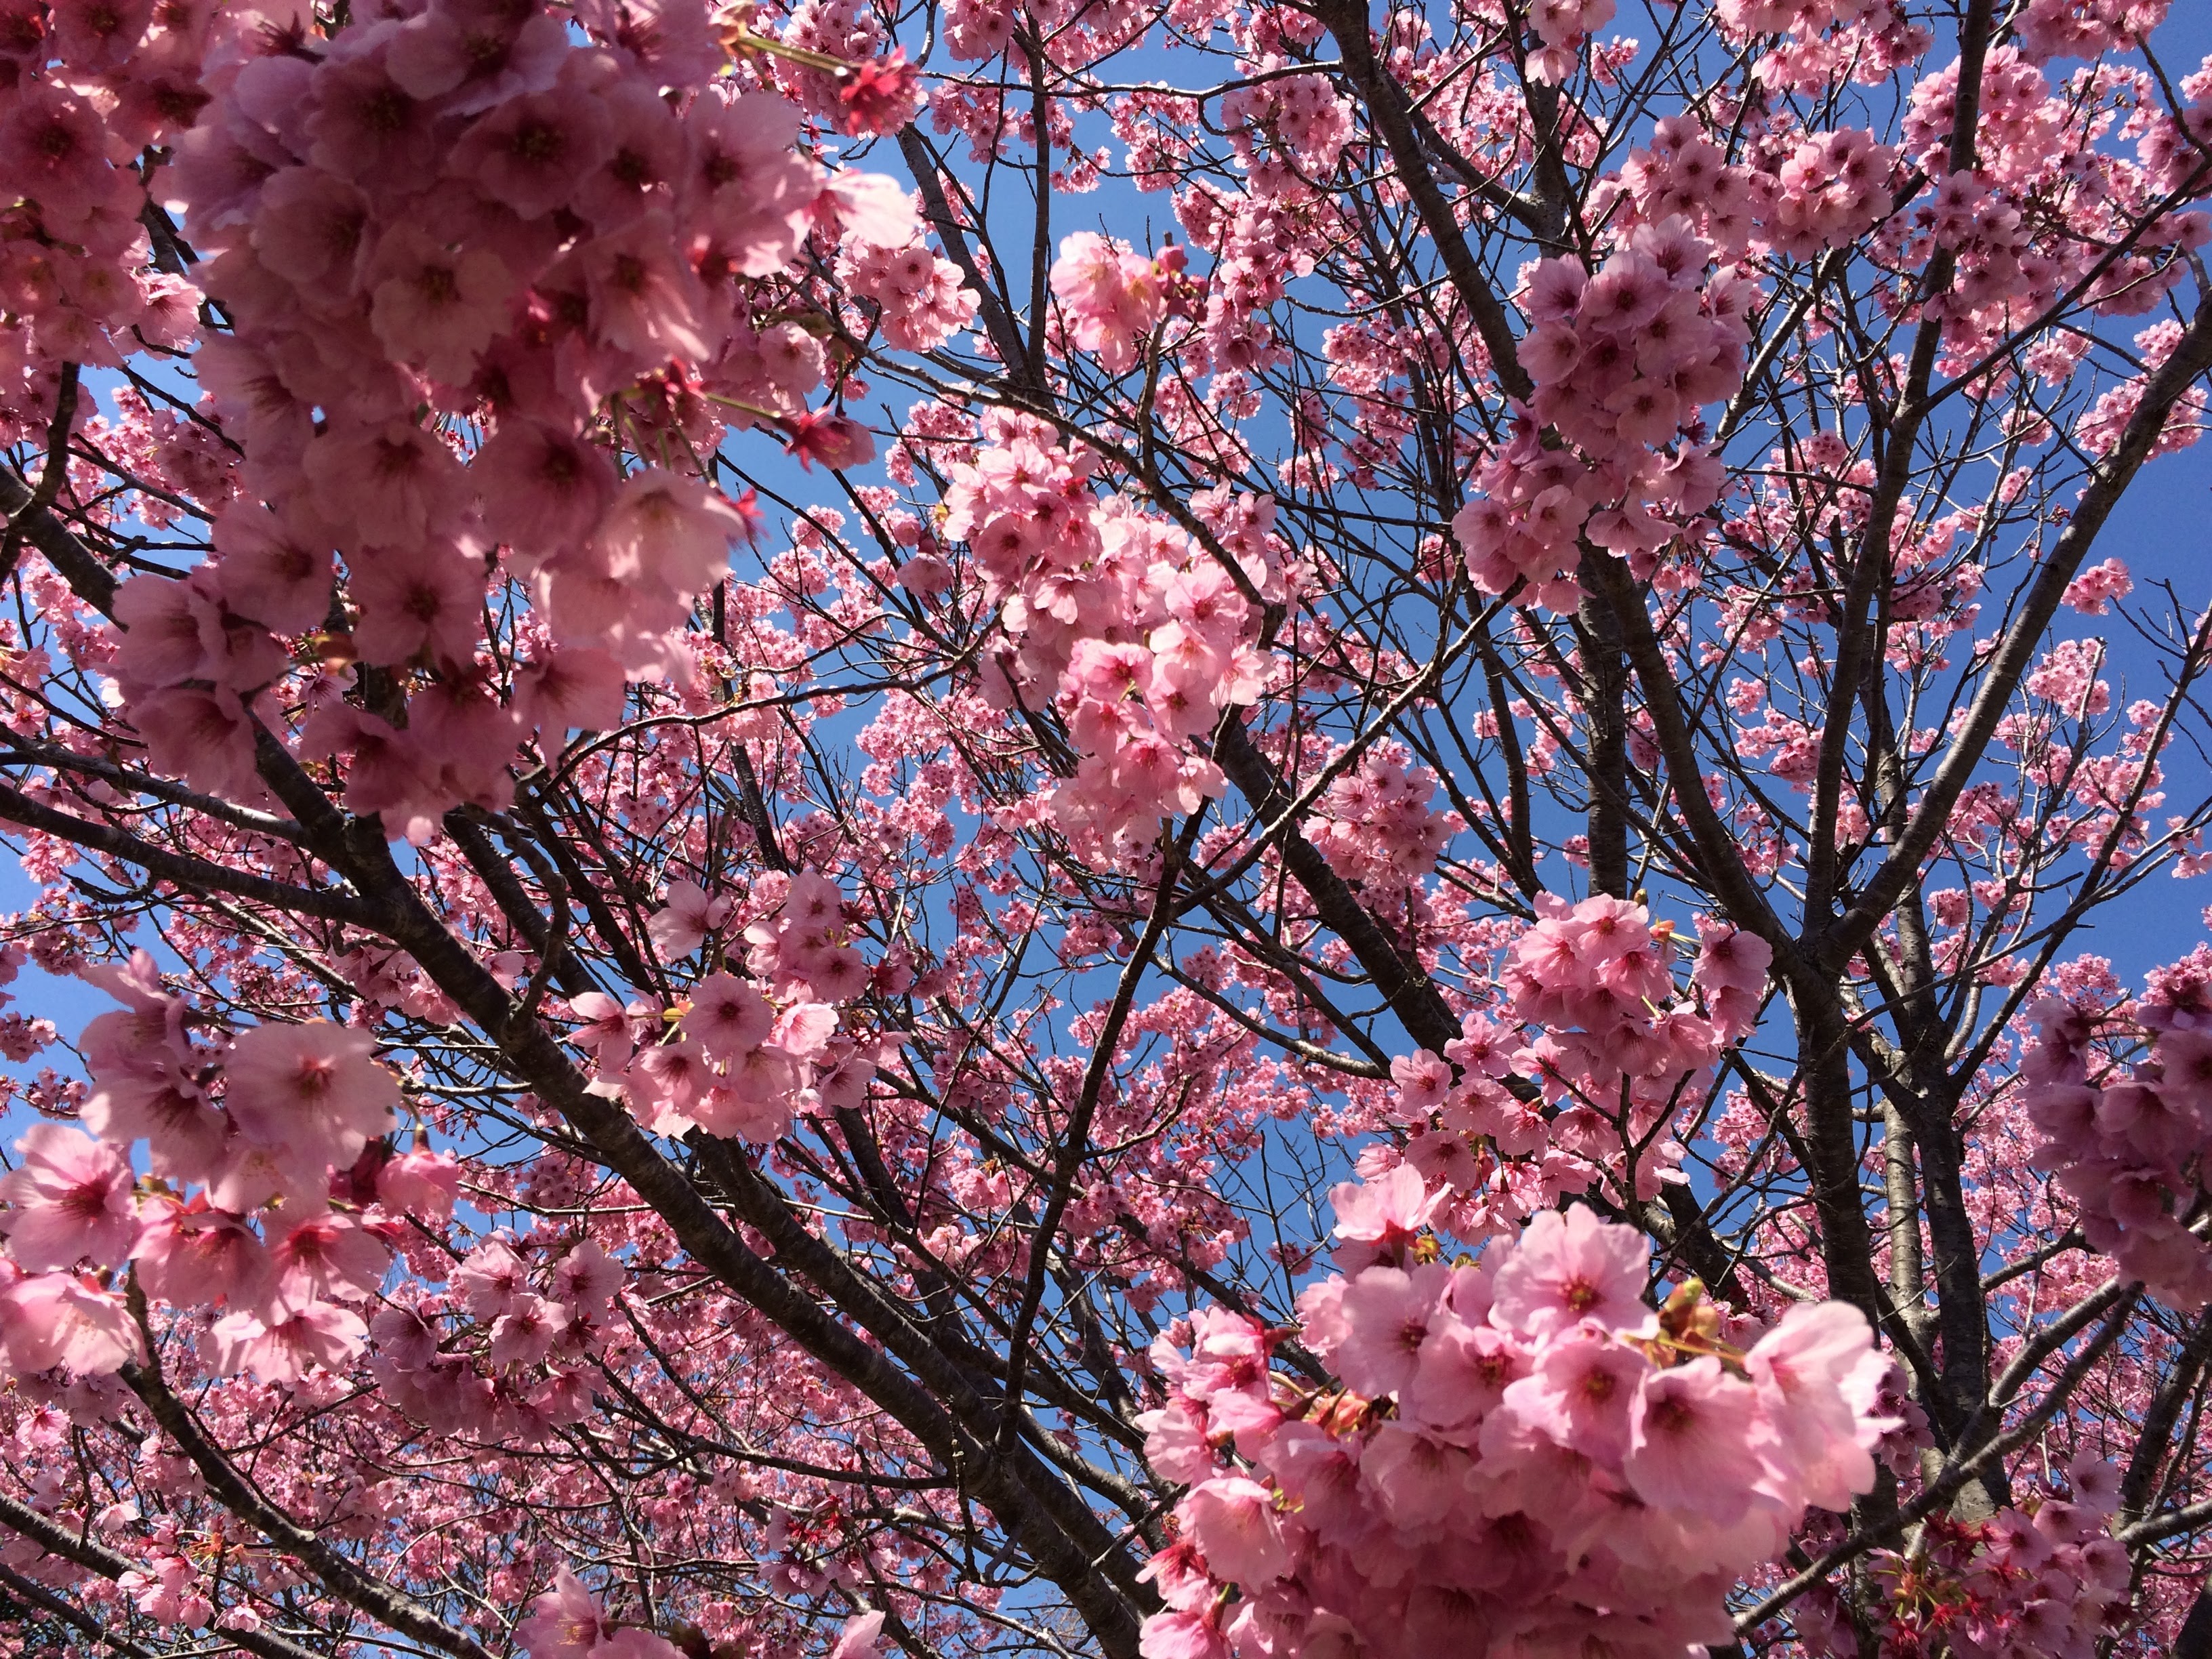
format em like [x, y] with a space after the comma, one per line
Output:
[1386, 1314]
[682, 926]
[310, 227]
[729, 1017]
[1577, 1394]
[1236, 1517]
[436, 307]
[65, 1320]
[587, 1278]
[421, 1183]
[271, 571]
[1815, 1372]
[311, 1091]
[1689, 1441]
[1571, 1267]
[1382, 1213]
[543, 489]
[671, 530]
[329, 1257]
[1420, 1478]
[490, 1279]
[567, 688]
[423, 599]
[70, 1200]
[290, 1344]
[394, 485]
[524, 1335]
[182, 1129]
[196, 1253]
[564, 1622]
[530, 152]
[860, 1638]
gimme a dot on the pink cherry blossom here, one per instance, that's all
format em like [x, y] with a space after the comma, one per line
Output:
[681, 926]
[564, 1623]
[70, 1200]
[60, 1319]
[1570, 1269]
[1689, 1441]
[311, 1091]
[1557, 629]
[290, 1344]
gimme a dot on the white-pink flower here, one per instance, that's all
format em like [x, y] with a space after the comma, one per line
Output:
[728, 1016]
[682, 926]
[1816, 1373]
[564, 1623]
[65, 1320]
[1384, 1212]
[290, 1344]
[1578, 1395]
[1387, 1313]
[1243, 1537]
[861, 1637]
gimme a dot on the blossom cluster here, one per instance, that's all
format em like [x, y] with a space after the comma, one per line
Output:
[1114, 297]
[1564, 27]
[2030, 137]
[503, 1354]
[1140, 637]
[1833, 187]
[279, 1128]
[1596, 1021]
[920, 298]
[568, 1622]
[1622, 362]
[489, 286]
[1818, 192]
[2043, 1580]
[2133, 1153]
[509, 214]
[733, 1062]
[2086, 28]
[87, 89]
[1682, 173]
[1304, 113]
[1379, 820]
[1520, 1451]
[1799, 195]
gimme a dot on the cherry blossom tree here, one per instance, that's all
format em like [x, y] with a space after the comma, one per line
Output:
[1237, 828]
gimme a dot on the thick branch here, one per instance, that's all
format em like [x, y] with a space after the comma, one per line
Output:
[88, 578]
[1412, 996]
[392, 1608]
[180, 870]
[57, 1539]
[1391, 111]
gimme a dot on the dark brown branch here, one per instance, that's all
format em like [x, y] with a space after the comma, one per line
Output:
[23, 515]
[180, 870]
[1414, 997]
[392, 1608]
[57, 1539]
[88, 578]
[1392, 113]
